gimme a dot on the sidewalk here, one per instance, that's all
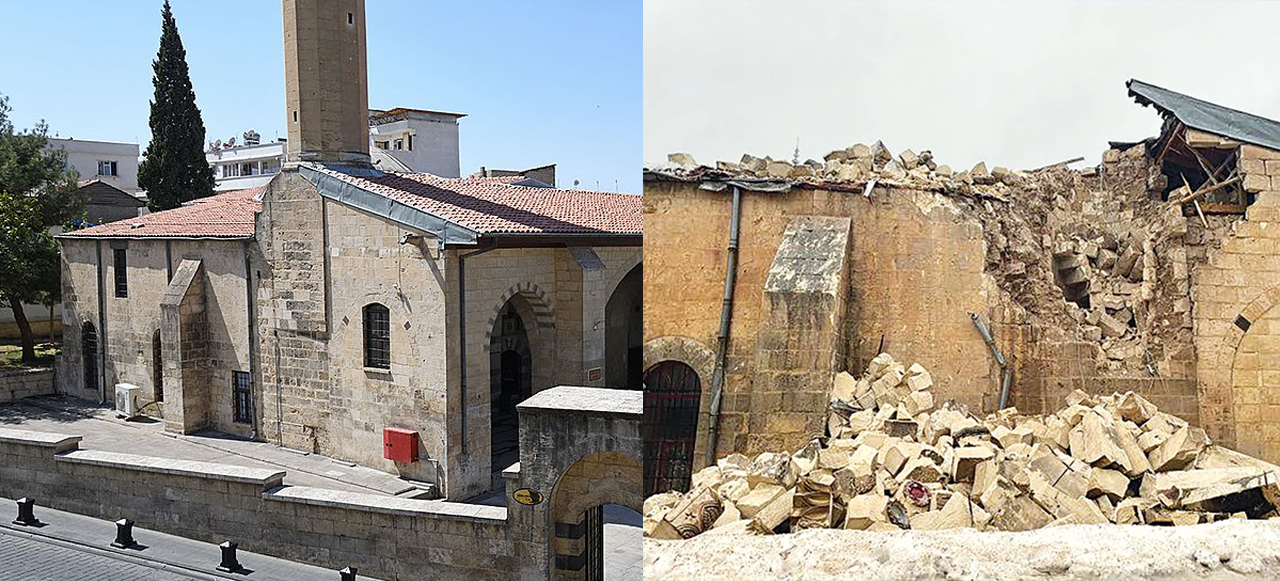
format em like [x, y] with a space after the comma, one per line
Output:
[101, 430]
[79, 547]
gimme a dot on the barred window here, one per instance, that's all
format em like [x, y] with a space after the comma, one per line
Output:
[377, 336]
[242, 396]
[122, 274]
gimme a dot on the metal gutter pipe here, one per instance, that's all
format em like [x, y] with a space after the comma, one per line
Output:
[250, 305]
[995, 351]
[722, 338]
[462, 334]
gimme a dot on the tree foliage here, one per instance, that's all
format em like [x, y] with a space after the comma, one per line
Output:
[37, 192]
[174, 169]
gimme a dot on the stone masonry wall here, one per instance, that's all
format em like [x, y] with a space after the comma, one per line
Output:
[388, 538]
[15, 385]
[1234, 292]
[126, 345]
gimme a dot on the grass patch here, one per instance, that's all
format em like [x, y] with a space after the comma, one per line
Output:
[11, 357]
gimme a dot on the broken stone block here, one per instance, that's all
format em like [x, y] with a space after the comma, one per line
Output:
[759, 497]
[1111, 326]
[842, 387]
[772, 515]
[918, 377]
[865, 510]
[1135, 408]
[1078, 397]
[1179, 450]
[1111, 484]
[752, 163]
[918, 402]
[956, 513]
[695, 513]
[909, 159]
[1127, 259]
[943, 171]
[708, 477]
[1130, 511]
[965, 461]
[778, 169]
[880, 154]
[921, 469]
[980, 175]
[772, 468]
[682, 160]
[894, 456]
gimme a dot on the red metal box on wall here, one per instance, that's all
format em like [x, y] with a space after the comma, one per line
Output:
[400, 445]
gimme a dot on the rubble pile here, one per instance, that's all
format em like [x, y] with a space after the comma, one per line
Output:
[894, 460]
[862, 163]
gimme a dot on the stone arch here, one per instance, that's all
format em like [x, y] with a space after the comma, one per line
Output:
[543, 315]
[592, 481]
[623, 341]
[702, 360]
[1248, 374]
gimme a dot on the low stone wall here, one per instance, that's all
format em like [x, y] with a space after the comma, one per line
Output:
[384, 537]
[15, 385]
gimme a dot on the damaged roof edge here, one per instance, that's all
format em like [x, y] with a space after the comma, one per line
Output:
[1207, 116]
[350, 195]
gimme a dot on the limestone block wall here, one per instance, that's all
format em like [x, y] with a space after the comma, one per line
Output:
[15, 385]
[387, 538]
[126, 326]
[367, 265]
[1234, 294]
[915, 271]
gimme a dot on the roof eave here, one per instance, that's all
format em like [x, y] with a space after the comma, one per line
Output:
[349, 194]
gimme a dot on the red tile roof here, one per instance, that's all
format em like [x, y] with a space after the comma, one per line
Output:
[489, 206]
[228, 215]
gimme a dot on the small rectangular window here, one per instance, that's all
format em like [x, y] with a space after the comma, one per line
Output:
[399, 144]
[122, 274]
[410, 142]
[107, 168]
[377, 336]
[351, 18]
[242, 396]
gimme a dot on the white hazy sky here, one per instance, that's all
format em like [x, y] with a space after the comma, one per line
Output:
[1018, 84]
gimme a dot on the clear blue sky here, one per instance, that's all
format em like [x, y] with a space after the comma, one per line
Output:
[544, 82]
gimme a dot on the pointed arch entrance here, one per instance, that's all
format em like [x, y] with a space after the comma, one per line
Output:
[672, 393]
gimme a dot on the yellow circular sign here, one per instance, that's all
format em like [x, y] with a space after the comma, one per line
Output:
[527, 496]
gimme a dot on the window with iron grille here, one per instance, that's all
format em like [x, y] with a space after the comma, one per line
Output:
[377, 336]
[122, 274]
[242, 395]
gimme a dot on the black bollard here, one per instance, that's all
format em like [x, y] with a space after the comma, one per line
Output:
[124, 534]
[229, 562]
[348, 574]
[27, 513]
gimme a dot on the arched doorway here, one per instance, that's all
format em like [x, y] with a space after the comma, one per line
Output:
[595, 508]
[672, 393]
[157, 367]
[510, 382]
[1255, 382]
[89, 353]
[624, 335]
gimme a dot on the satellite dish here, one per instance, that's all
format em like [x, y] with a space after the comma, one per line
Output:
[217, 144]
[231, 142]
[575, 183]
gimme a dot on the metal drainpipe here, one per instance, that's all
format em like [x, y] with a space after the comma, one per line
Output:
[462, 334]
[1004, 366]
[722, 339]
[253, 334]
[102, 330]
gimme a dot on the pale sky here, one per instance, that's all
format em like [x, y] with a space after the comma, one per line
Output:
[1017, 84]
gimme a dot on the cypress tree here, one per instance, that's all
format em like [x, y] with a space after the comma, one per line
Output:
[174, 169]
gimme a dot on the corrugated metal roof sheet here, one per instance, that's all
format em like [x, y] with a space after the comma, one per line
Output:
[1207, 116]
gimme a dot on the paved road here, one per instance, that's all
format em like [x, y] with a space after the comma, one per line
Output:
[33, 560]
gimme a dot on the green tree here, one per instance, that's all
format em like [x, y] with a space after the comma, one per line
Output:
[174, 169]
[37, 192]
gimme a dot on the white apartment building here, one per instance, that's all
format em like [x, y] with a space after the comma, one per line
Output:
[110, 162]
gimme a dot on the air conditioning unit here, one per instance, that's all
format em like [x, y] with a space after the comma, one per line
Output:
[127, 400]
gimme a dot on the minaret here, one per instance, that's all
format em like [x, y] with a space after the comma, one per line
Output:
[326, 81]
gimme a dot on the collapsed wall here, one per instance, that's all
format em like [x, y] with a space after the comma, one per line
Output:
[1086, 277]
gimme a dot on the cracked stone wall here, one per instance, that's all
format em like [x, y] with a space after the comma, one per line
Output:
[1088, 278]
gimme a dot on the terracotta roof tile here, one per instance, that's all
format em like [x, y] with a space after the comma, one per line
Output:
[228, 215]
[489, 206]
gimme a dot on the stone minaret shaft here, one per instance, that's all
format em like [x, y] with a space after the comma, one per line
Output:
[326, 81]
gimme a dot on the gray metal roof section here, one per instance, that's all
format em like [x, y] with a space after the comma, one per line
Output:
[344, 193]
[1207, 116]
